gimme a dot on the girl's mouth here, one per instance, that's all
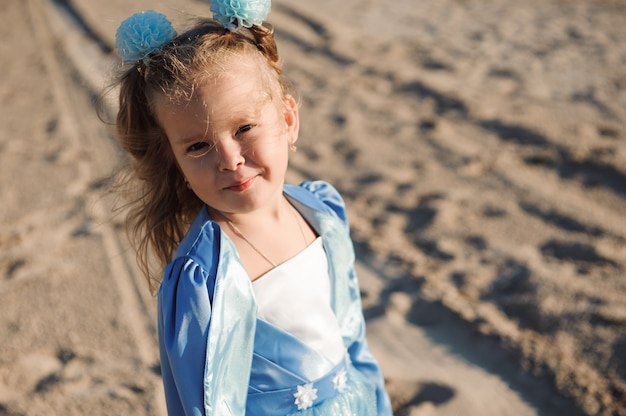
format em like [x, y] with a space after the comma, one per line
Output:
[242, 186]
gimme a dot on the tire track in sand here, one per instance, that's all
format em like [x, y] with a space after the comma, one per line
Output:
[49, 23]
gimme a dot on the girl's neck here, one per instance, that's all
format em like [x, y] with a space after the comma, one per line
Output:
[268, 238]
[271, 214]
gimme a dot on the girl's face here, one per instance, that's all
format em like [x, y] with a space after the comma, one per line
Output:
[231, 140]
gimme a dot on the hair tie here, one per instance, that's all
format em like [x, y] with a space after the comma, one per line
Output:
[142, 34]
[236, 13]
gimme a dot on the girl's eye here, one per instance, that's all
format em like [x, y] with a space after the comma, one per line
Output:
[198, 149]
[244, 129]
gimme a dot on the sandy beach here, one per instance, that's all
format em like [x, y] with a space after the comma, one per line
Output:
[480, 148]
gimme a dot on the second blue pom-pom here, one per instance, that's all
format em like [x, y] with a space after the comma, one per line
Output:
[236, 13]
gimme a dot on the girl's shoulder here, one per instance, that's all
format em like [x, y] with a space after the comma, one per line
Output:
[195, 262]
[201, 242]
[320, 196]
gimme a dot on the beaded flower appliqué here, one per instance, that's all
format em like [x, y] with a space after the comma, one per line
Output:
[340, 380]
[305, 396]
[142, 34]
[236, 13]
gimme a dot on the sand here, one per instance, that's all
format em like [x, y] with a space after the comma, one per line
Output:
[481, 150]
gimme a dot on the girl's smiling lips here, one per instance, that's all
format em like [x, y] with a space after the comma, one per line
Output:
[241, 185]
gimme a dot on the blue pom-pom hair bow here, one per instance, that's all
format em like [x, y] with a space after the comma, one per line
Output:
[234, 14]
[141, 34]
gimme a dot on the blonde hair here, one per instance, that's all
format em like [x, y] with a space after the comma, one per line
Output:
[161, 206]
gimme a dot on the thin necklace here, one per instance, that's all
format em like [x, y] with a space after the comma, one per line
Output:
[244, 238]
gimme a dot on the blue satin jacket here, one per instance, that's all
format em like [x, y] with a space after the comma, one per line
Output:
[210, 339]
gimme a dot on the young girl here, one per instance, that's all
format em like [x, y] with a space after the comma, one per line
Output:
[259, 311]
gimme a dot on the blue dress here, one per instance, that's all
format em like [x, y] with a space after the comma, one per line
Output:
[219, 358]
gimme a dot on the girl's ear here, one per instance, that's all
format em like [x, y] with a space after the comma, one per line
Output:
[292, 119]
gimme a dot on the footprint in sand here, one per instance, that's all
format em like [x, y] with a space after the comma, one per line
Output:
[411, 398]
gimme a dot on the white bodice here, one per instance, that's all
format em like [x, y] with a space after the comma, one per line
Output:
[295, 296]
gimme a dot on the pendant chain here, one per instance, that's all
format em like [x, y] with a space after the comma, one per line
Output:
[244, 238]
[240, 234]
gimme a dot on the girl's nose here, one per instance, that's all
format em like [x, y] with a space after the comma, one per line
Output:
[229, 154]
